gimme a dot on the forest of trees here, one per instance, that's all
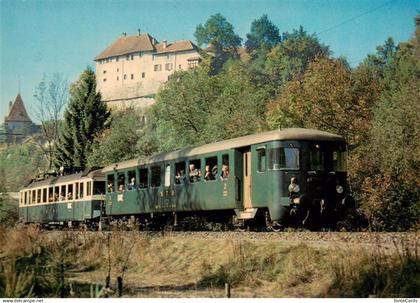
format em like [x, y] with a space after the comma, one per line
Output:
[283, 80]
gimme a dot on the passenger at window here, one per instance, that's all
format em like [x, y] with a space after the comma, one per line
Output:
[69, 196]
[121, 187]
[110, 187]
[195, 173]
[62, 197]
[132, 184]
[56, 197]
[225, 172]
[209, 176]
[180, 176]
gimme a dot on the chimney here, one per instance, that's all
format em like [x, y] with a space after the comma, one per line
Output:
[10, 105]
[165, 43]
[124, 34]
[138, 32]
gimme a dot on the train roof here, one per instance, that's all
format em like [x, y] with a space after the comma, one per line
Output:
[51, 180]
[280, 134]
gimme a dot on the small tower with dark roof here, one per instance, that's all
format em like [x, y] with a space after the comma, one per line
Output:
[17, 124]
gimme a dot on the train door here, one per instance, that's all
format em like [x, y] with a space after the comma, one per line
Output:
[247, 189]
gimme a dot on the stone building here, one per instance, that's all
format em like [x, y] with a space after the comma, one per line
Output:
[130, 70]
[17, 126]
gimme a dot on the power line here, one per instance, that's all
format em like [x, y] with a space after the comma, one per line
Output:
[354, 18]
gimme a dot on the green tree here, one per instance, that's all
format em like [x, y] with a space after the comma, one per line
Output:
[207, 108]
[85, 116]
[328, 96]
[183, 106]
[292, 57]
[218, 34]
[394, 202]
[21, 163]
[128, 137]
[263, 36]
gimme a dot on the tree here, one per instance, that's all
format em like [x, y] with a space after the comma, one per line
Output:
[128, 137]
[52, 97]
[85, 116]
[391, 195]
[218, 34]
[328, 96]
[383, 59]
[291, 58]
[263, 36]
[207, 108]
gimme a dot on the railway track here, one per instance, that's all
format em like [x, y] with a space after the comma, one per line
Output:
[389, 240]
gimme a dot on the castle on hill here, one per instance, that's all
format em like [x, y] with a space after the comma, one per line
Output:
[130, 71]
[17, 126]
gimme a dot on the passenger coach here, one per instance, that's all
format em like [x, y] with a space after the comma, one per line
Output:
[276, 177]
[63, 200]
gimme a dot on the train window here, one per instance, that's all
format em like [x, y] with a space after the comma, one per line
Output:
[225, 167]
[167, 175]
[121, 181]
[56, 193]
[131, 180]
[98, 187]
[262, 159]
[180, 172]
[81, 190]
[194, 170]
[210, 171]
[44, 195]
[155, 182]
[25, 198]
[89, 188]
[76, 190]
[70, 192]
[50, 194]
[63, 194]
[283, 158]
[339, 160]
[110, 183]
[38, 196]
[33, 196]
[143, 178]
[316, 159]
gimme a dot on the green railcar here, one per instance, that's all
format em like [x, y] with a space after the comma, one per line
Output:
[288, 175]
[63, 200]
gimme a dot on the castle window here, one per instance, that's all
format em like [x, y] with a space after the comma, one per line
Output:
[143, 75]
[158, 67]
[132, 76]
[118, 70]
[117, 59]
[132, 57]
[168, 66]
[179, 66]
[125, 77]
[104, 79]
[118, 78]
[193, 63]
[127, 57]
[104, 71]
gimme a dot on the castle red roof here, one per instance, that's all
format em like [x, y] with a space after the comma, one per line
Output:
[18, 112]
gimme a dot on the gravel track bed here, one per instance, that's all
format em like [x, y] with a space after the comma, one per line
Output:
[409, 239]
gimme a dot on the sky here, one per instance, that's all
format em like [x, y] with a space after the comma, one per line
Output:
[39, 38]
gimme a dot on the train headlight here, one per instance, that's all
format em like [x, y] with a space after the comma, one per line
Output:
[339, 189]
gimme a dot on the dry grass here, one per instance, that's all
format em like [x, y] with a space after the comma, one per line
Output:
[151, 266]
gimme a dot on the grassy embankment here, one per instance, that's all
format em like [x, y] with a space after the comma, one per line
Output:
[35, 263]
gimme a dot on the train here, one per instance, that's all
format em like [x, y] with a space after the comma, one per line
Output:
[274, 179]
